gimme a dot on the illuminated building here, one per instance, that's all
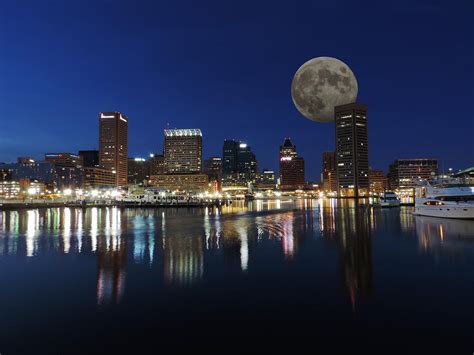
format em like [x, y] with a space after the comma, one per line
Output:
[90, 158]
[9, 189]
[378, 181]
[466, 175]
[138, 171]
[157, 164]
[404, 173]
[266, 180]
[352, 152]
[113, 144]
[67, 170]
[239, 164]
[183, 182]
[182, 151]
[64, 159]
[212, 167]
[98, 177]
[328, 175]
[28, 168]
[291, 167]
[229, 156]
[6, 172]
[66, 176]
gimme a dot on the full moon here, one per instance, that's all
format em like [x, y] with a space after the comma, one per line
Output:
[319, 85]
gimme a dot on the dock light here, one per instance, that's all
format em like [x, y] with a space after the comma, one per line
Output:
[95, 193]
[67, 192]
[31, 191]
[115, 193]
[79, 192]
[258, 194]
[277, 194]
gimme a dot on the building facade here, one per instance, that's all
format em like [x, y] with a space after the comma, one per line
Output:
[352, 151]
[68, 159]
[113, 145]
[90, 158]
[328, 174]
[183, 182]
[138, 171]
[182, 151]
[239, 164]
[378, 181]
[157, 164]
[405, 173]
[99, 177]
[265, 180]
[291, 167]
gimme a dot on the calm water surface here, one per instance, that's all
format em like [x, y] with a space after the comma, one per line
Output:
[270, 275]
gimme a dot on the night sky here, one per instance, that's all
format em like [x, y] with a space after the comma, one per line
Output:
[226, 67]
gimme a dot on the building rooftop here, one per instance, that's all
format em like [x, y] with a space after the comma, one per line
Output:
[192, 132]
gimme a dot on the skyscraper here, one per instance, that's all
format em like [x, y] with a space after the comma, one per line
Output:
[328, 175]
[291, 167]
[182, 150]
[229, 156]
[246, 162]
[352, 152]
[113, 144]
[239, 163]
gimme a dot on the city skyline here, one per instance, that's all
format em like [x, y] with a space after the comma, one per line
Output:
[170, 81]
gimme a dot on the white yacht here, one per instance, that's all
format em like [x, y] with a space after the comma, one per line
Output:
[389, 199]
[447, 198]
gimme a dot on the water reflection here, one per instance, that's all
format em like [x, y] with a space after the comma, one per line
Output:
[177, 244]
[447, 236]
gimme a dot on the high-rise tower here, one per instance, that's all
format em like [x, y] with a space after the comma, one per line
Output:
[182, 151]
[113, 144]
[352, 151]
[291, 167]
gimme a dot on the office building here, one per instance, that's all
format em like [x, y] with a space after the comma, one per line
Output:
[378, 181]
[64, 159]
[239, 164]
[265, 180]
[229, 156]
[197, 182]
[99, 177]
[9, 189]
[157, 164]
[138, 171]
[113, 145]
[246, 162]
[68, 177]
[90, 158]
[182, 151]
[405, 173]
[291, 167]
[328, 174]
[352, 152]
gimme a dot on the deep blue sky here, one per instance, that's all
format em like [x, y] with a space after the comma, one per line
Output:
[226, 67]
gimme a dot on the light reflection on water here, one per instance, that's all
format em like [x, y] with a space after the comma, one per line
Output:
[181, 240]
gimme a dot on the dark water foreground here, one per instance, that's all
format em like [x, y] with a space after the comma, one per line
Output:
[294, 277]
